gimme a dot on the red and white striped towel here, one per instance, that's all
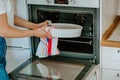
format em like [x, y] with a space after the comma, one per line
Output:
[47, 47]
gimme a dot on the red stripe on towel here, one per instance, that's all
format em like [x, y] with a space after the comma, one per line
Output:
[49, 46]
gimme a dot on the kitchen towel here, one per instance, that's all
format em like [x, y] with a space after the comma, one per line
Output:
[47, 47]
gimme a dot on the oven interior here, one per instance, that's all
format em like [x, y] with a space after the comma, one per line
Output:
[78, 55]
[83, 19]
[83, 47]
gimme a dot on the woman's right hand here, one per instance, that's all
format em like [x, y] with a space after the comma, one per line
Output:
[42, 32]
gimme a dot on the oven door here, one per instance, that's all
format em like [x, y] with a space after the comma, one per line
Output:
[52, 68]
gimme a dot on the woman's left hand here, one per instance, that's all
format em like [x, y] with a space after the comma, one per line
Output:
[39, 25]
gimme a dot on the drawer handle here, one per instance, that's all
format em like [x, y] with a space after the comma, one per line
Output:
[118, 51]
[95, 73]
[118, 75]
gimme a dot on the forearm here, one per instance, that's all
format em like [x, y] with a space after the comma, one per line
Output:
[24, 23]
[12, 32]
[8, 31]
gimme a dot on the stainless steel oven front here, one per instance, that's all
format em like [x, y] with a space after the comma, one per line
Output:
[78, 55]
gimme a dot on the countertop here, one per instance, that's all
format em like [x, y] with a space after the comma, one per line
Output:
[111, 37]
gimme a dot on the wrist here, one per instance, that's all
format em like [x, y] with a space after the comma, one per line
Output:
[31, 33]
[34, 26]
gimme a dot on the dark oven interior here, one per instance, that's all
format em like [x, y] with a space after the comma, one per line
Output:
[84, 19]
[79, 47]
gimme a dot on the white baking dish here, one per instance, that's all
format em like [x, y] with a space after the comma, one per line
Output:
[65, 30]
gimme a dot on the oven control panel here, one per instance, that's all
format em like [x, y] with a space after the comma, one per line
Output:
[71, 3]
[62, 1]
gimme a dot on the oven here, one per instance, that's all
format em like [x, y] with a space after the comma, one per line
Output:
[77, 55]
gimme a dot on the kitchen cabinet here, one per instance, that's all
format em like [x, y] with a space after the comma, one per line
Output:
[15, 57]
[110, 63]
[110, 74]
[110, 58]
[20, 10]
[18, 42]
[94, 74]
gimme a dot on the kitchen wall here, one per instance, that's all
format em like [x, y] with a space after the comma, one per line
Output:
[109, 11]
[118, 7]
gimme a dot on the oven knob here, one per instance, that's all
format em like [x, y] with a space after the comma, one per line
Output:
[49, 1]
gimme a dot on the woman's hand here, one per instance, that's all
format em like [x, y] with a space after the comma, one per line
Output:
[39, 25]
[45, 23]
[41, 30]
[42, 33]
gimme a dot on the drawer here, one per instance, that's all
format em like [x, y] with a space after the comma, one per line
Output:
[110, 58]
[18, 42]
[110, 74]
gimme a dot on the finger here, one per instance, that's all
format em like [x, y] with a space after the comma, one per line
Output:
[45, 34]
[47, 29]
[46, 22]
[48, 35]
[43, 24]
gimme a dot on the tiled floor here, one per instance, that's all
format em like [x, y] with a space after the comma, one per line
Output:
[15, 57]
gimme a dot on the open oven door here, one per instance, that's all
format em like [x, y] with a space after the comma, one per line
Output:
[53, 68]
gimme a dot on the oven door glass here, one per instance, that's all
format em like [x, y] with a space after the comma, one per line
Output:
[52, 68]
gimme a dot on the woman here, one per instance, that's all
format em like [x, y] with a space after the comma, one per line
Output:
[7, 21]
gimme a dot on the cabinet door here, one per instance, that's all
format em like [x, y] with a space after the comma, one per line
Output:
[15, 57]
[18, 42]
[110, 58]
[94, 74]
[110, 75]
